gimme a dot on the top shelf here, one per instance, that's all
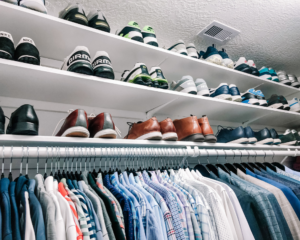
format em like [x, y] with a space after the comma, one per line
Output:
[57, 38]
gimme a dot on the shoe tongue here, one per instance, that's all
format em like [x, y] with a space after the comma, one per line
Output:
[80, 9]
[134, 24]
[148, 29]
[143, 67]
[287, 132]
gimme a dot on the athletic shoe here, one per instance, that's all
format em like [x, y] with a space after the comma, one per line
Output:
[250, 135]
[294, 80]
[200, 55]
[36, 5]
[185, 85]
[97, 20]
[202, 88]
[179, 47]
[226, 62]
[158, 78]
[149, 36]
[132, 31]
[273, 75]
[229, 135]
[275, 136]
[264, 137]
[261, 98]
[285, 103]
[254, 70]
[102, 65]
[265, 74]
[7, 48]
[283, 78]
[138, 75]
[221, 92]
[235, 93]
[27, 52]
[79, 61]
[249, 97]
[212, 55]
[275, 101]
[296, 134]
[242, 66]
[191, 50]
[74, 13]
[294, 105]
[288, 138]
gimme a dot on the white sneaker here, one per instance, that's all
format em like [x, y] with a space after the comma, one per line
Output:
[185, 85]
[226, 62]
[294, 105]
[179, 48]
[221, 92]
[242, 66]
[191, 50]
[102, 65]
[138, 75]
[36, 5]
[294, 80]
[202, 88]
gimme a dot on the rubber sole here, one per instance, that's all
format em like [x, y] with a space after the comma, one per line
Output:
[276, 141]
[236, 98]
[286, 82]
[150, 136]
[295, 109]
[198, 137]
[286, 107]
[252, 140]
[240, 140]
[171, 136]
[267, 141]
[191, 90]
[276, 106]
[24, 128]
[204, 92]
[29, 60]
[76, 132]
[106, 133]
[82, 67]
[216, 59]
[296, 84]
[224, 97]
[252, 101]
[104, 74]
[138, 39]
[289, 143]
[210, 138]
[145, 81]
[5, 55]
[155, 44]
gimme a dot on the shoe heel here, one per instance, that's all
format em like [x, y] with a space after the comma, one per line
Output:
[25, 128]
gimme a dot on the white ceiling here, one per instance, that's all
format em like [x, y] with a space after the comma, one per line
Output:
[269, 35]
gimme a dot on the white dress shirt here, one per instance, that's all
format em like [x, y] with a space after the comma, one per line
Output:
[26, 223]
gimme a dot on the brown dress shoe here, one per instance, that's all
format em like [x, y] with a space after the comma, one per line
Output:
[102, 126]
[148, 130]
[168, 130]
[207, 130]
[188, 129]
[75, 125]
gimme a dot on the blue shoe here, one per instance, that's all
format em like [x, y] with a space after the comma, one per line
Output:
[229, 135]
[249, 97]
[250, 135]
[265, 74]
[261, 98]
[274, 135]
[201, 53]
[221, 92]
[273, 75]
[212, 55]
[264, 137]
[235, 93]
[226, 62]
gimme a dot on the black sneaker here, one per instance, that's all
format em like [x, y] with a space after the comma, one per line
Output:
[288, 138]
[132, 31]
[263, 137]
[296, 134]
[27, 52]
[275, 136]
[138, 75]
[275, 101]
[74, 13]
[79, 61]
[102, 65]
[7, 48]
[158, 78]
[97, 20]
[2, 121]
[149, 36]
[286, 105]
[23, 121]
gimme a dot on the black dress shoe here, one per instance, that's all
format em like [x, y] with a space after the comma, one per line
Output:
[2, 121]
[23, 121]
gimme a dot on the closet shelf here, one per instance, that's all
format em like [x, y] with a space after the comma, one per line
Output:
[57, 38]
[25, 81]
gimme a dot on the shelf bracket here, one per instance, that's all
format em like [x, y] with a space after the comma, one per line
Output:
[245, 124]
[151, 112]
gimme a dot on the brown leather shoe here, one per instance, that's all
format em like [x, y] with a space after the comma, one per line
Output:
[188, 129]
[102, 126]
[207, 130]
[168, 130]
[148, 130]
[75, 125]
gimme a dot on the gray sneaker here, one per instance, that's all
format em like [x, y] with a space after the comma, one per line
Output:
[294, 80]
[185, 85]
[202, 88]
[283, 78]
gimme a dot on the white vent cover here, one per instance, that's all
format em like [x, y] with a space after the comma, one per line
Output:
[218, 32]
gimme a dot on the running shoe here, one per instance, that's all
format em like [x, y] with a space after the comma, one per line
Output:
[27, 52]
[191, 50]
[265, 74]
[288, 138]
[274, 135]
[179, 47]
[242, 66]
[264, 137]
[185, 85]
[294, 80]
[149, 36]
[250, 135]
[7, 48]
[212, 55]
[221, 92]
[283, 78]
[74, 13]
[97, 20]
[275, 101]
[235, 93]
[138, 75]
[254, 70]
[102, 65]
[132, 31]
[294, 105]
[249, 97]
[285, 103]
[158, 78]
[273, 75]
[230, 135]
[226, 62]
[202, 88]
[261, 98]
[36, 5]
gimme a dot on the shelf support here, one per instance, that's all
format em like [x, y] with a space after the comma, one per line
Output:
[151, 112]
[245, 124]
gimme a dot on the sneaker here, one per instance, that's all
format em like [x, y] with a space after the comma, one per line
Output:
[221, 92]
[36, 5]
[200, 55]
[261, 98]
[185, 85]
[249, 97]
[242, 66]
[263, 137]
[132, 31]
[212, 55]
[15, 2]
[7, 48]
[97, 20]
[226, 62]
[179, 47]
[296, 134]
[138, 75]
[285, 103]
[79, 61]
[283, 78]
[275, 101]
[294, 105]
[265, 74]
[191, 50]
[74, 13]
[250, 135]
[102, 65]
[254, 70]
[229, 135]
[294, 80]
[288, 138]
[235, 93]
[273, 75]
[274, 135]
[202, 88]
[149, 36]
[158, 78]
[27, 52]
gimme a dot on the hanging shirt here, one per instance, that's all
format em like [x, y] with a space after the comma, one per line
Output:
[14, 213]
[288, 170]
[6, 210]
[287, 174]
[283, 176]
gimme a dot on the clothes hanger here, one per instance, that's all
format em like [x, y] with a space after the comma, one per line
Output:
[38, 160]
[56, 166]
[94, 173]
[45, 174]
[211, 167]
[10, 177]
[246, 165]
[21, 163]
[72, 174]
[26, 173]
[100, 171]
[57, 163]
[201, 167]
[279, 165]
[223, 167]
[2, 174]
[260, 165]
[64, 175]
[105, 171]
[51, 165]
[68, 160]
[253, 165]
[77, 174]
[269, 165]
[238, 165]
[230, 166]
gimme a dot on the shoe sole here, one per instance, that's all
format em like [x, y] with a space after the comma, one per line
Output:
[276, 141]
[81, 67]
[252, 140]
[204, 92]
[263, 103]
[252, 101]
[150, 136]
[228, 63]
[277, 106]
[267, 141]
[289, 143]
[286, 107]
[33, 5]
[106, 133]
[76, 132]
[216, 59]
[266, 77]
[240, 140]
[25, 128]
[191, 90]
[296, 84]
[210, 138]
[286, 82]
[236, 98]
[29, 60]
[142, 80]
[5, 55]
[224, 97]
[198, 137]
[171, 136]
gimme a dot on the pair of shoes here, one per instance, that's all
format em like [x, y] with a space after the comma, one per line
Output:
[245, 66]
[225, 92]
[290, 137]
[75, 13]
[218, 57]
[23, 121]
[253, 97]
[152, 130]
[25, 51]
[268, 74]
[187, 85]
[278, 102]
[294, 105]
[294, 80]
[79, 61]
[132, 31]
[36, 5]
[78, 124]
[283, 78]
[180, 48]
[140, 75]
[268, 137]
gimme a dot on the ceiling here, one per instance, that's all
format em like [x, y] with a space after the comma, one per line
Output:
[269, 29]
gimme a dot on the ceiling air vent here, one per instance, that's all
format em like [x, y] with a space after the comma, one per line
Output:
[218, 32]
